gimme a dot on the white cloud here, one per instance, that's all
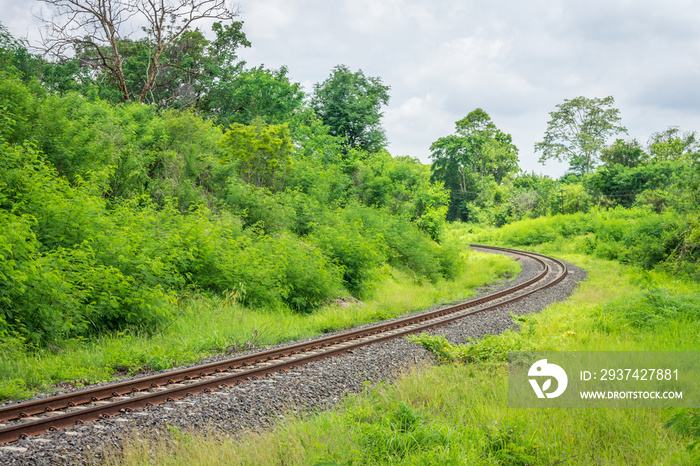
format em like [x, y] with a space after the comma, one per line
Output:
[409, 123]
[371, 16]
[270, 18]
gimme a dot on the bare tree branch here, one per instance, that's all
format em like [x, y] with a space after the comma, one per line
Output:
[93, 23]
[157, 12]
[100, 26]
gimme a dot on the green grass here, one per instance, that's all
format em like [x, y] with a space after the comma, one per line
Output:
[209, 325]
[457, 413]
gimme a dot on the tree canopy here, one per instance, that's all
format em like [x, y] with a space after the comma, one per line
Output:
[578, 130]
[673, 144]
[350, 104]
[168, 64]
[621, 152]
[464, 161]
[254, 93]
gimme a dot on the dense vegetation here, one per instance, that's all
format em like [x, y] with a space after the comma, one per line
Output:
[641, 206]
[110, 212]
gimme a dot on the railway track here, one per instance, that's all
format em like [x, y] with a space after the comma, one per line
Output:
[52, 413]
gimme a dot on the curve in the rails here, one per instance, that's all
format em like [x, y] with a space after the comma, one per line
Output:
[234, 371]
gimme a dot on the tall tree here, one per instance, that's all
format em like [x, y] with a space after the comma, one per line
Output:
[99, 32]
[463, 161]
[578, 130]
[350, 103]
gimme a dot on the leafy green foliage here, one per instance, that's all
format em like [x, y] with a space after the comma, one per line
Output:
[254, 93]
[260, 152]
[401, 185]
[168, 65]
[652, 308]
[637, 236]
[472, 162]
[406, 245]
[672, 144]
[349, 104]
[112, 212]
[625, 153]
[578, 131]
[489, 349]
[623, 184]
[18, 109]
[358, 252]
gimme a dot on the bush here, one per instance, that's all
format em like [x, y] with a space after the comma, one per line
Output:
[67, 293]
[654, 308]
[406, 245]
[528, 232]
[358, 253]
[652, 239]
[302, 276]
[108, 212]
[637, 236]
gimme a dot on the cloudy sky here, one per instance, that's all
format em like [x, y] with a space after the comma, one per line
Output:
[515, 59]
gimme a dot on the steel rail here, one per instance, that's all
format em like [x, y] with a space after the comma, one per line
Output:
[379, 332]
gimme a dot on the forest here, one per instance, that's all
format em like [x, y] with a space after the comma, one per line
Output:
[184, 178]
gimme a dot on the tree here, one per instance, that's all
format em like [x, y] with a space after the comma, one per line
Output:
[672, 144]
[260, 151]
[463, 161]
[621, 152]
[349, 103]
[253, 93]
[578, 131]
[96, 32]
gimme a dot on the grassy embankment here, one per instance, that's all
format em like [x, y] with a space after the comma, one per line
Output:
[457, 413]
[209, 325]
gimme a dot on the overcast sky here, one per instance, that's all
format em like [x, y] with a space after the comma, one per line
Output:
[515, 59]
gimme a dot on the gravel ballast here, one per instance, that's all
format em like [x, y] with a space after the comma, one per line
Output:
[259, 403]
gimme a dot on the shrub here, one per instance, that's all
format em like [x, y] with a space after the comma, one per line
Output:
[653, 308]
[358, 253]
[303, 276]
[528, 232]
[652, 239]
[406, 245]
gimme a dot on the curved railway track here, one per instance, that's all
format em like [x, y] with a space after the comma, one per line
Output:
[35, 417]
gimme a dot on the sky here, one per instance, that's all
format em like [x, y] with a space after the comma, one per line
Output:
[514, 59]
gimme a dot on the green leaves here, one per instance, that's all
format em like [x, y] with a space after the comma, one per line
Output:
[255, 93]
[578, 131]
[468, 160]
[350, 103]
[261, 152]
[109, 213]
